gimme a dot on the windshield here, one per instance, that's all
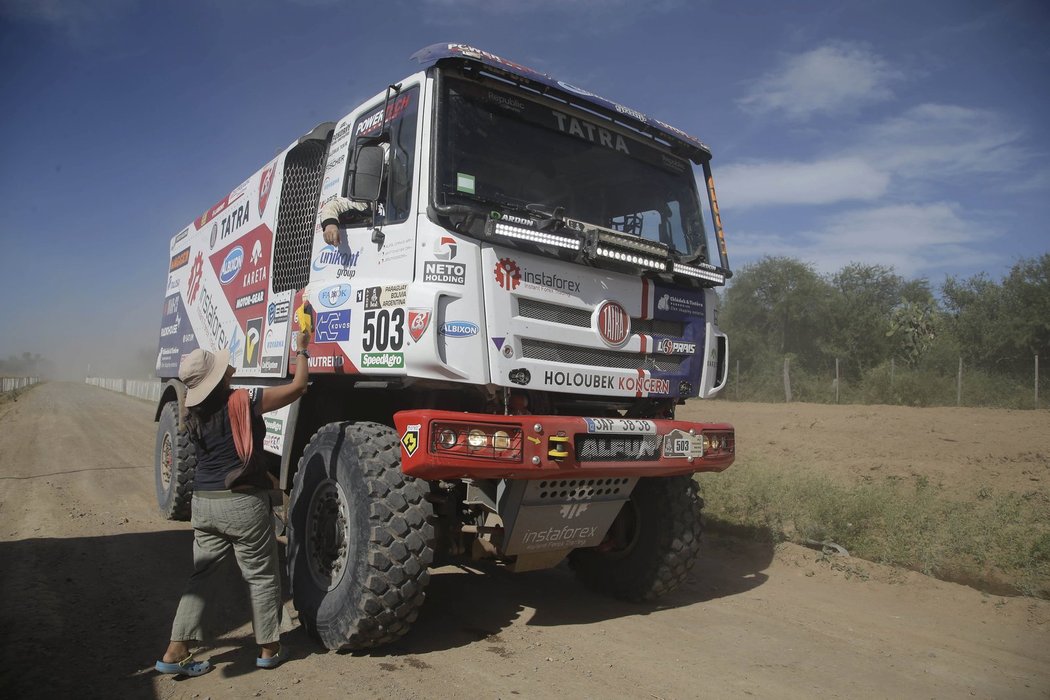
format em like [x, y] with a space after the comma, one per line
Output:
[498, 150]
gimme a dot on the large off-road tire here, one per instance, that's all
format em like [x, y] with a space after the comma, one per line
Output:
[174, 461]
[360, 537]
[653, 543]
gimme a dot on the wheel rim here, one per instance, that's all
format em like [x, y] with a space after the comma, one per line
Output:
[326, 534]
[167, 461]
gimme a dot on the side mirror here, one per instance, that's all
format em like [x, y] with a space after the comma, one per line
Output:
[367, 177]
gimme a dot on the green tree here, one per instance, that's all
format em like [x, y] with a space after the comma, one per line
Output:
[777, 307]
[861, 311]
[999, 327]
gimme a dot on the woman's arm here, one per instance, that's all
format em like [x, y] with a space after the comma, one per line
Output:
[280, 396]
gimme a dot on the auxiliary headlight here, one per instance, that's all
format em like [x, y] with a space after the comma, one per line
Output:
[476, 439]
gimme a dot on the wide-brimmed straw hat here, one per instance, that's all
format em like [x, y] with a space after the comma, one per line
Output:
[201, 371]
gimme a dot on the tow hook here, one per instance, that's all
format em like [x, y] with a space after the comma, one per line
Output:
[556, 445]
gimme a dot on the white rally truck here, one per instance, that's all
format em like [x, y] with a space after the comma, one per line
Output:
[501, 340]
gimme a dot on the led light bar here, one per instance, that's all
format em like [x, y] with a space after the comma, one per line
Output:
[633, 258]
[525, 234]
[618, 238]
[716, 277]
[631, 242]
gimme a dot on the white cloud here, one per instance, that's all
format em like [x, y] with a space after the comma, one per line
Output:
[834, 78]
[937, 141]
[796, 182]
[914, 239]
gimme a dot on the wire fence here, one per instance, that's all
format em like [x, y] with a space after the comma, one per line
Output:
[12, 383]
[149, 390]
[951, 384]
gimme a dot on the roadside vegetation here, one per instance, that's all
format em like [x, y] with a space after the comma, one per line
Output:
[894, 341]
[995, 541]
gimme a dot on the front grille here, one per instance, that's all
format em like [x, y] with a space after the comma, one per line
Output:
[655, 326]
[297, 215]
[574, 355]
[617, 448]
[554, 313]
[581, 318]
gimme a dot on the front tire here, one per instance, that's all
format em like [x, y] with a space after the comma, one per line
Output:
[174, 462]
[652, 544]
[360, 537]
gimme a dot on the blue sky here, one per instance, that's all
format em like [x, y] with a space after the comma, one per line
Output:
[911, 134]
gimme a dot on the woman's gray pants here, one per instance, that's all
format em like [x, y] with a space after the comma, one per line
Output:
[242, 523]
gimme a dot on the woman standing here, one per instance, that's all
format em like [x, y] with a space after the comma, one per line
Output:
[231, 505]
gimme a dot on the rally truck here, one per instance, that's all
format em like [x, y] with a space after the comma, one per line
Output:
[502, 336]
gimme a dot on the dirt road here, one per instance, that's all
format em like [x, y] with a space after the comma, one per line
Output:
[90, 576]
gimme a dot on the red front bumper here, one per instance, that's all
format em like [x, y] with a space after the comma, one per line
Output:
[434, 445]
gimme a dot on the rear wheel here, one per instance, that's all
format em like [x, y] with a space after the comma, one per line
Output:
[360, 537]
[652, 544]
[175, 460]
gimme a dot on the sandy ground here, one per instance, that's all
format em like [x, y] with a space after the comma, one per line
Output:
[90, 577]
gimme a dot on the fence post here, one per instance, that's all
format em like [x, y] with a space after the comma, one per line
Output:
[958, 385]
[787, 381]
[892, 368]
[836, 380]
[1037, 381]
[738, 380]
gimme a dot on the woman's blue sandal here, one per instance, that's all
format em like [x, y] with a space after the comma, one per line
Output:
[186, 667]
[274, 661]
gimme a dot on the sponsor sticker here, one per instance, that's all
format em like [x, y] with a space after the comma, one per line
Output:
[253, 342]
[181, 236]
[674, 347]
[274, 433]
[330, 256]
[459, 329]
[196, 272]
[592, 380]
[277, 312]
[334, 296]
[266, 185]
[231, 265]
[386, 360]
[446, 248]
[410, 440]
[333, 326]
[270, 364]
[379, 297]
[329, 361]
[180, 259]
[550, 280]
[445, 272]
[680, 301]
[250, 300]
[508, 274]
[418, 322]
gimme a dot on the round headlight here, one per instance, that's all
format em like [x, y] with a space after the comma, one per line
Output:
[476, 439]
[501, 440]
[447, 439]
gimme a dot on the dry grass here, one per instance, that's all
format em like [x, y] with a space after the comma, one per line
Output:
[997, 541]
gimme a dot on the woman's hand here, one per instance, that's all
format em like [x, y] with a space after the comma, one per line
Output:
[303, 340]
